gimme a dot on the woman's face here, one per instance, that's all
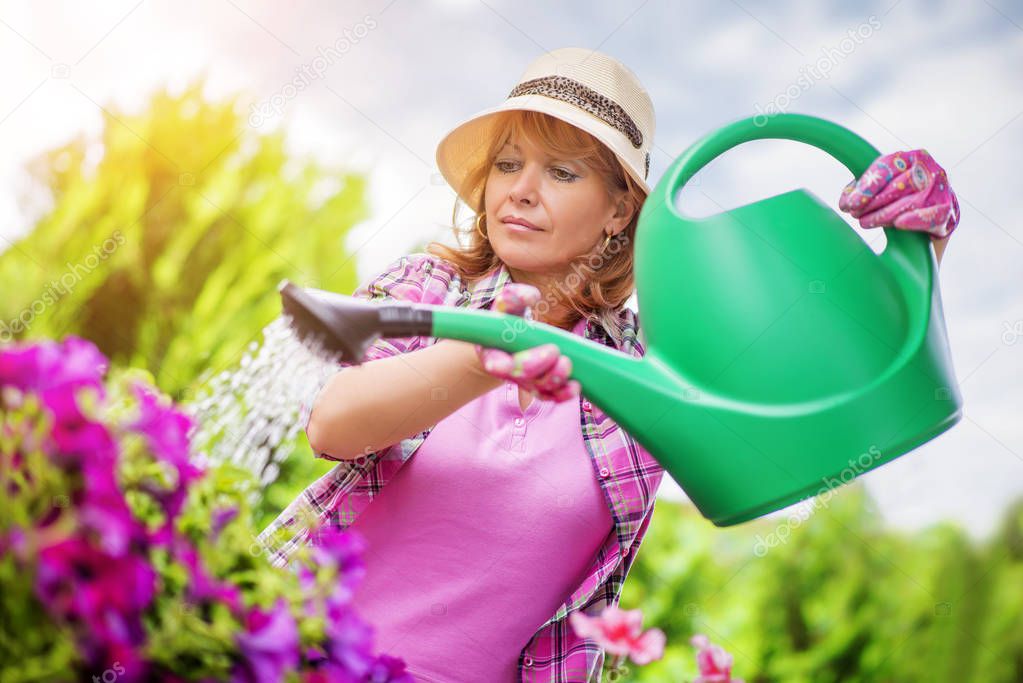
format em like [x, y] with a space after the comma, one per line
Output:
[566, 201]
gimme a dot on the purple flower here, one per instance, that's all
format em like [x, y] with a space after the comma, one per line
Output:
[330, 673]
[103, 510]
[127, 661]
[344, 550]
[349, 638]
[54, 371]
[166, 431]
[98, 585]
[201, 585]
[388, 669]
[74, 439]
[19, 365]
[14, 542]
[220, 518]
[40, 366]
[103, 595]
[165, 427]
[269, 645]
[78, 363]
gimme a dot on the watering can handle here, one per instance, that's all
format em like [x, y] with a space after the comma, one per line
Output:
[905, 249]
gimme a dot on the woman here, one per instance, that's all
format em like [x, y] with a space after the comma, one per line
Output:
[524, 502]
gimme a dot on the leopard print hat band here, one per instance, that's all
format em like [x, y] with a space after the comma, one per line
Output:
[586, 88]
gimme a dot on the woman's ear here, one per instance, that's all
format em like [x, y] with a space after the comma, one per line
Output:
[624, 210]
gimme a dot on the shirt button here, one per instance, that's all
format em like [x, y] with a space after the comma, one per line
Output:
[527, 661]
[587, 405]
[605, 472]
[519, 421]
[625, 551]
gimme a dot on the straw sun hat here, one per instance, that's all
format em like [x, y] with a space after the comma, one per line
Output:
[585, 88]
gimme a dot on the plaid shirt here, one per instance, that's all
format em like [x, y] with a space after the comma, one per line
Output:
[628, 475]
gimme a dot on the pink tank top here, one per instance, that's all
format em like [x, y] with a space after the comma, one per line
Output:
[480, 537]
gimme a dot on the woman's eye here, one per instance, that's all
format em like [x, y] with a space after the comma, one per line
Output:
[565, 175]
[562, 175]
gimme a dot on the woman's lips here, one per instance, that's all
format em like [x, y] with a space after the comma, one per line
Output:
[520, 228]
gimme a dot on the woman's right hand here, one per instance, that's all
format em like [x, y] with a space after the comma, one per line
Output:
[541, 370]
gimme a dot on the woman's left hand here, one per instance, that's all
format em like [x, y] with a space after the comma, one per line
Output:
[541, 370]
[907, 190]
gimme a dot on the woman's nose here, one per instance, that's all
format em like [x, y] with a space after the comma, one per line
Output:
[526, 184]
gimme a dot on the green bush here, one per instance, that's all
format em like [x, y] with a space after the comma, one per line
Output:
[843, 599]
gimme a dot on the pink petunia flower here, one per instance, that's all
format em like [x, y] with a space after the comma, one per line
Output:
[92, 552]
[166, 429]
[619, 632]
[104, 596]
[202, 586]
[269, 645]
[45, 365]
[714, 663]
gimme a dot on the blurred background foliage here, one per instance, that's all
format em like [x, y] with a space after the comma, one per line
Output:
[196, 218]
[170, 232]
[842, 599]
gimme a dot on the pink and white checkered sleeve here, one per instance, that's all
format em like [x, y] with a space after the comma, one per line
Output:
[404, 279]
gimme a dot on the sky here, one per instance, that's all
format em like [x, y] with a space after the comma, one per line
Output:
[390, 78]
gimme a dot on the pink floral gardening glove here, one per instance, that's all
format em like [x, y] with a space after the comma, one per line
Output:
[907, 190]
[542, 370]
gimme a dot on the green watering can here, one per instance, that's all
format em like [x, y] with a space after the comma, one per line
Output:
[783, 356]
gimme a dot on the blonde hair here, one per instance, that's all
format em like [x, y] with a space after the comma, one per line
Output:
[603, 287]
